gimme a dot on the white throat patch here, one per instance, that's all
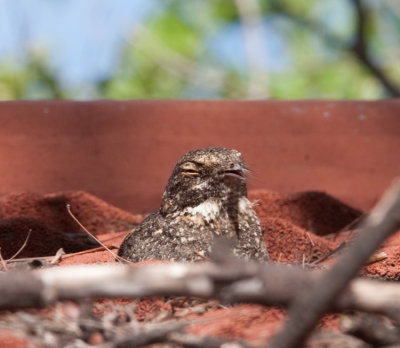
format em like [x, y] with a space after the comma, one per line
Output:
[209, 210]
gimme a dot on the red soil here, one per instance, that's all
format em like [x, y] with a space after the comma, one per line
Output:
[50, 224]
[124, 153]
[284, 220]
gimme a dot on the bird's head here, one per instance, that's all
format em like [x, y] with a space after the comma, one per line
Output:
[203, 174]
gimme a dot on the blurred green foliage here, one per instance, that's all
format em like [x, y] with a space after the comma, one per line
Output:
[170, 57]
[34, 80]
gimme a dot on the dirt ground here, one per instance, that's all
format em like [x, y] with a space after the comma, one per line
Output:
[305, 213]
[298, 228]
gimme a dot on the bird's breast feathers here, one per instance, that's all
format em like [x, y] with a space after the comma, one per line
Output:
[212, 209]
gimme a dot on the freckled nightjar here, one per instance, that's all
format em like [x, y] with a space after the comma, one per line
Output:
[206, 198]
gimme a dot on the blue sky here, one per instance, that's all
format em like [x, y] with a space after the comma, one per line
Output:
[83, 38]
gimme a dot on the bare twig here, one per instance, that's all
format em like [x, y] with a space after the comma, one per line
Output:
[58, 256]
[309, 237]
[194, 341]
[328, 255]
[49, 258]
[376, 257]
[325, 339]
[115, 235]
[350, 227]
[267, 284]
[3, 262]
[116, 257]
[22, 246]
[313, 303]
[376, 330]
[152, 334]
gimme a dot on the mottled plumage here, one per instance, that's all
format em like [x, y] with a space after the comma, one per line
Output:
[206, 197]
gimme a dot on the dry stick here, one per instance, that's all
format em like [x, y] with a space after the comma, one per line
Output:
[267, 284]
[205, 258]
[100, 248]
[172, 332]
[114, 236]
[159, 333]
[116, 257]
[329, 254]
[325, 338]
[373, 329]
[4, 263]
[312, 304]
[376, 257]
[49, 258]
[350, 226]
[22, 246]
[194, 341]
[58, 256]
[309, 237]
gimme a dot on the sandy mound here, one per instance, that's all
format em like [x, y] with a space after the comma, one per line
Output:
[314, 211]
[95, 214]
[52, 227]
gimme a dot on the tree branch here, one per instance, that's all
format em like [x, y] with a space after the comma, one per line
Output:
[359, 48]
[375, 330]
[267, 284]
[312, 303]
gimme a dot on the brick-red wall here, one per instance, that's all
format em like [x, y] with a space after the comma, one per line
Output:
[124, 151]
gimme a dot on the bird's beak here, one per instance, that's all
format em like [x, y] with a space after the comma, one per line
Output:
[234, 173]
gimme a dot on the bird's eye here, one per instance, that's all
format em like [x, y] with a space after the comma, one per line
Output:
[190, 169]
[190, 172]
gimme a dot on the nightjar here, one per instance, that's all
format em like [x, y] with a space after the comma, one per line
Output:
[206, 197]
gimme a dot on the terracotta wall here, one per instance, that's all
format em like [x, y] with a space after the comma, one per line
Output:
[123, 152]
